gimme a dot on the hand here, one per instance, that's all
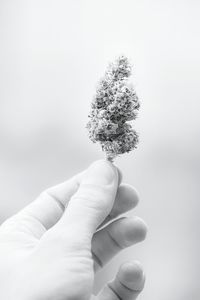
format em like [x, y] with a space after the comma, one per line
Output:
[52, 249]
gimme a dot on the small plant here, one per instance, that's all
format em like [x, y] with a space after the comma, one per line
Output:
[114, 105]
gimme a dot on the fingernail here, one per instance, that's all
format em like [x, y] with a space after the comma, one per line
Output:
[101, 172]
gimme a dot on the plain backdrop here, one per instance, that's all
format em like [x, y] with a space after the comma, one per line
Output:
[52, 54]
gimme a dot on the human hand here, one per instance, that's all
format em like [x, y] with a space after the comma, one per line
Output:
[52, 249]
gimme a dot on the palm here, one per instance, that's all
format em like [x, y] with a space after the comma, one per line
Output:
[21, 252]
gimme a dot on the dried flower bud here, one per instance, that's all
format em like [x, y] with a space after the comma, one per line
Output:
[114, 104]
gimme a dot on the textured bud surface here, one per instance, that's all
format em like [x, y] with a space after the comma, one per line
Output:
[114, 104]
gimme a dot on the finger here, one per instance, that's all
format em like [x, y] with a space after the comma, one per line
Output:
[45, 211]
[120, 234]
[92, 202]
[126, 199]
[50, 205]
[127, 285]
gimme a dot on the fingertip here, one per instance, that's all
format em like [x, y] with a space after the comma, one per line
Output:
[102, 172]
[128, 283]
[141, 227]
[135, 230]
[116, 169]
[129, 194]
[131, 270]
[131, 275]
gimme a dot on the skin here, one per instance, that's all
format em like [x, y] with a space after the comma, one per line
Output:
[51, 250]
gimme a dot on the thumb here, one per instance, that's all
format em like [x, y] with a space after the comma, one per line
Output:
[94, 199]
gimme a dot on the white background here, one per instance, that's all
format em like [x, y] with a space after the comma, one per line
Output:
[52, 54]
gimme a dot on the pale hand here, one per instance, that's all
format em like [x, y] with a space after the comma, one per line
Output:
[52, 248]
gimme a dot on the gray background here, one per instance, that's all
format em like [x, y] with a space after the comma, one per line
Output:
[52, 53]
